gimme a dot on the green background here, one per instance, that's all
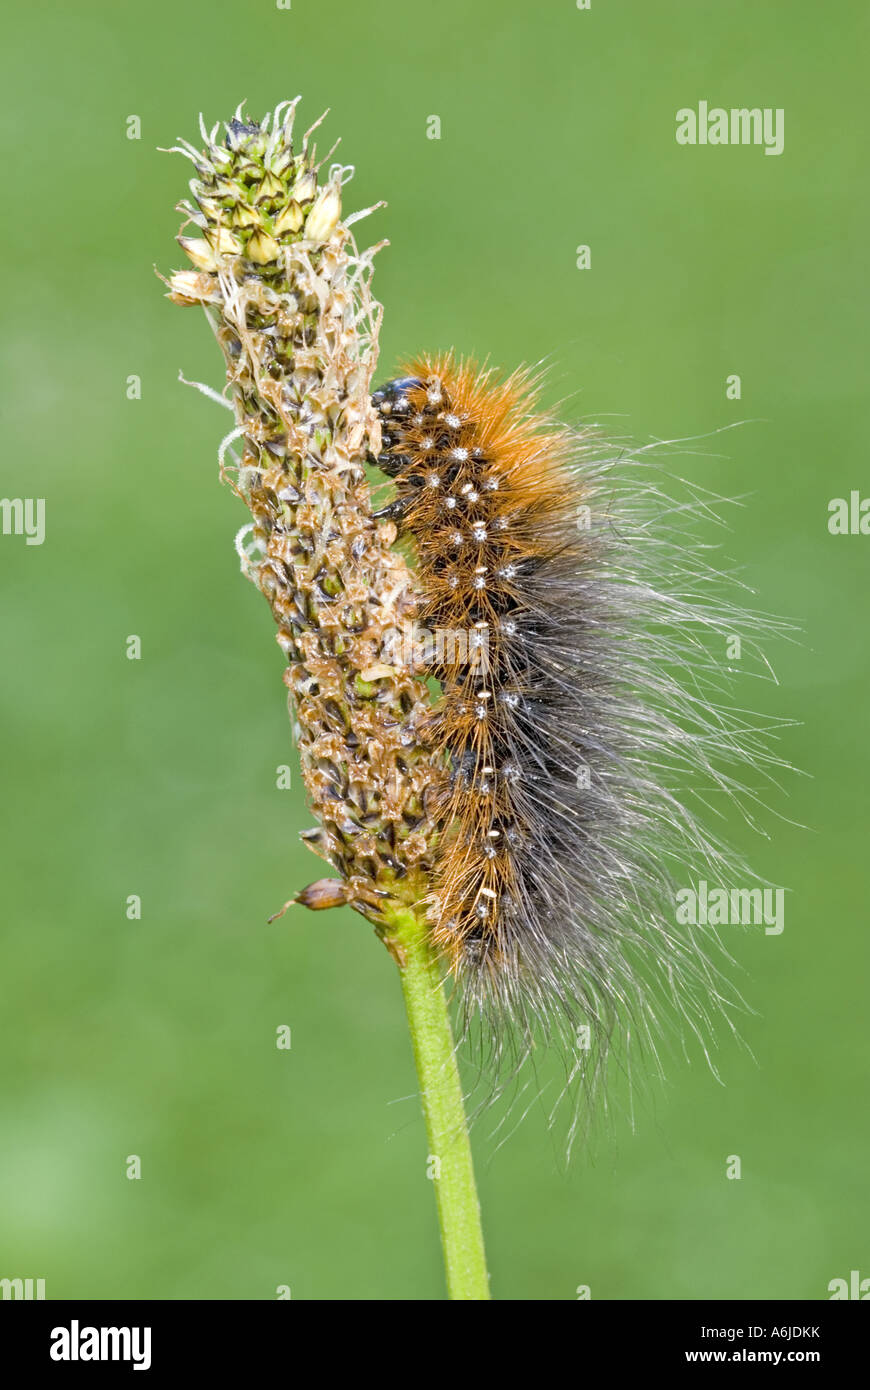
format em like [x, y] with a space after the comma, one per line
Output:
[157, 777]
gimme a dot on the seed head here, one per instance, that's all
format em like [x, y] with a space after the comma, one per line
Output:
[289, 298]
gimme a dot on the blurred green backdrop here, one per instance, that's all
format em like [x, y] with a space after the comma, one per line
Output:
[157, 777]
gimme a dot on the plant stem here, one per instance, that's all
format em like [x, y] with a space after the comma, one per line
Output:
[443, 1108]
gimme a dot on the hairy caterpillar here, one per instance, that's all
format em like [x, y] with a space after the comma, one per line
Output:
[582, 701]
[543, 807]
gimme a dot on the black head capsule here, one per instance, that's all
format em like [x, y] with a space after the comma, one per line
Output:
[394, 390]
[392, 404]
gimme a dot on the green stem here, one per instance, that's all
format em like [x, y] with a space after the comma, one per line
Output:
[443, 1108]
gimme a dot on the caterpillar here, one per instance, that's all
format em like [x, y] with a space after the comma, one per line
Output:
[582, 699]
[544, 806]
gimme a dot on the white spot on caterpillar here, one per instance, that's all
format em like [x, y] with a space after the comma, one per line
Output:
[456, 537]
[433, 480]
[453, 421]
[489, 892]
[459, 454]
[478, 530]
[450, 502]
[509, 572]
[426, 443]
[434, 397]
